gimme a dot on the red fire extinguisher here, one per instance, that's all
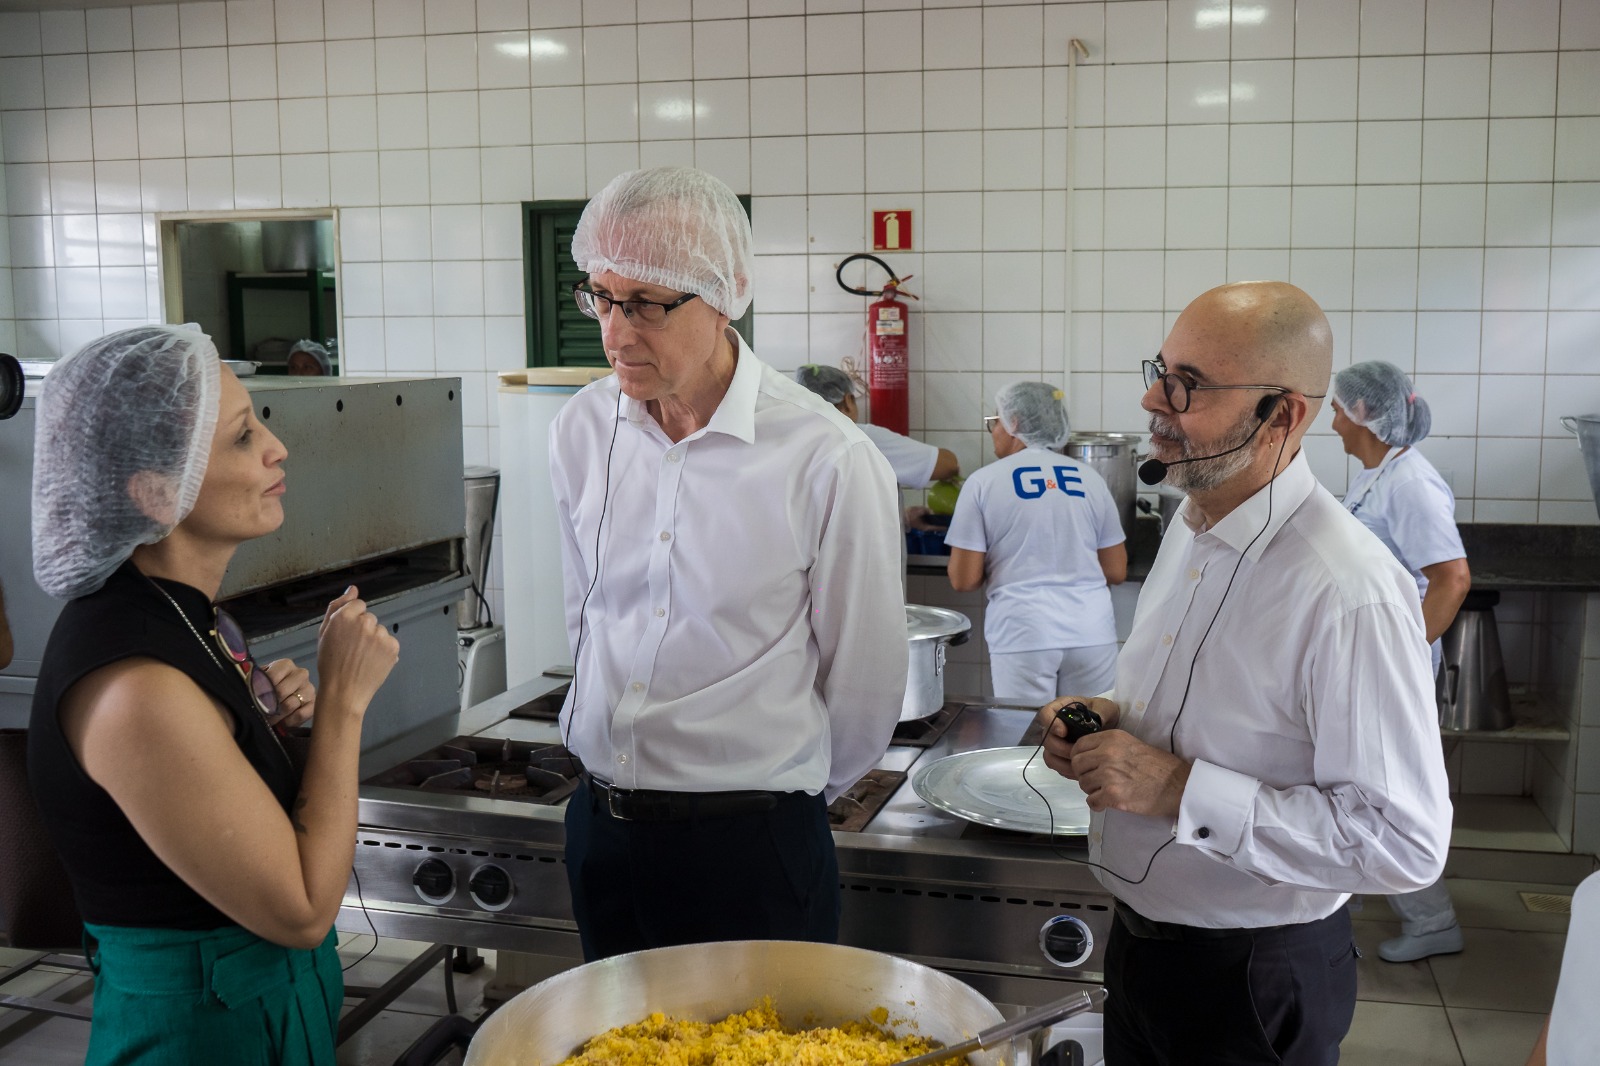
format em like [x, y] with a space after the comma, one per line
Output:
[888, 321]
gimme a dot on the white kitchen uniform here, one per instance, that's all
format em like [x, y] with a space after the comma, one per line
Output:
[912, 460]
[1574, 1025]
[1409, 507]
[747, 627]
[1309, 719]
[1040, 518]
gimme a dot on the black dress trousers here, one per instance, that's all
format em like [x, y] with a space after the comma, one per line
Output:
[768, 875]
[1280, 995]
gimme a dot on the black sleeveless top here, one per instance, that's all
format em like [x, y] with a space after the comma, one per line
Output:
[115, 877]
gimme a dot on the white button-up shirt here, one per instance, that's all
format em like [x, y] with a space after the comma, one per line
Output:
[747, 628]
[1309, 718]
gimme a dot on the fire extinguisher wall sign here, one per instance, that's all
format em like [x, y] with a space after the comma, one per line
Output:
[888, 322]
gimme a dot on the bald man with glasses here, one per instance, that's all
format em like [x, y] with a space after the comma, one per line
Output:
[1271, 743]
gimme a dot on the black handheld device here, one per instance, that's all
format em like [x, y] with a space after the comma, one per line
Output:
[1080, 721]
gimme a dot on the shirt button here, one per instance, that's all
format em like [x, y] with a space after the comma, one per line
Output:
[672, 457]
[661, 612]
[1166, 638]
[638, 686]
[1194, 575]
[1202, 832]
[665, 535]
[1139, 706]
[621, 759]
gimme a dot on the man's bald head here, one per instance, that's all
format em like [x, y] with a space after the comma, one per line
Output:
[1276, 333]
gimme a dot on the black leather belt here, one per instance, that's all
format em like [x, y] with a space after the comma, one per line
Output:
[651, 805]
[1150, 929]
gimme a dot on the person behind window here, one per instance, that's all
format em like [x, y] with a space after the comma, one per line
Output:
[309, 359]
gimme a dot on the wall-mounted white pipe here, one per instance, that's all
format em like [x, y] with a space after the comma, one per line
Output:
[1075, 49]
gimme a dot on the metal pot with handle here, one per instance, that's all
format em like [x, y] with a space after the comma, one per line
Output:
[1113, 457]
[929, 631]
[810, 985]
[1587, 429]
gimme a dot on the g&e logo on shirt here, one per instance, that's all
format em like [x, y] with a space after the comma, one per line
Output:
[1031, 483]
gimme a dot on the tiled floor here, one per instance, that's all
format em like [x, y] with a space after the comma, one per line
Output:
[1483, 1007]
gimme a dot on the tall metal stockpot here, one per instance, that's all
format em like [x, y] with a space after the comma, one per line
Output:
[929, 631]
[810, 984]
[1113, 456]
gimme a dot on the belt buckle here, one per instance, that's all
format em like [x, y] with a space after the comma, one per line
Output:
[612, 805]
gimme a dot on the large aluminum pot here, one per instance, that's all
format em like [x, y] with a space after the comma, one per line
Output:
[929, 631]
[1113, 457]
[810, 984]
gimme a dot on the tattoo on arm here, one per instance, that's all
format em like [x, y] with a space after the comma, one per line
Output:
[294, 815]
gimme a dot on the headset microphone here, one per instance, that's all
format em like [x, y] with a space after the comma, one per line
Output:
[1154, 471]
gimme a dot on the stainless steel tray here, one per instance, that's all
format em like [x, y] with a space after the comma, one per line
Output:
[988, 787]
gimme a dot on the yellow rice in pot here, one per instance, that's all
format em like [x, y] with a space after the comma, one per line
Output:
[756, 1037]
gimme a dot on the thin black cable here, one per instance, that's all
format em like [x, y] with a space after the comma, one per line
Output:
[366, 914]
[577, 651]
[1182, 703]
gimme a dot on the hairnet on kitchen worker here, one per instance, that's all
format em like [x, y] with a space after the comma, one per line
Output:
[123, 436]
[829, 382]
[1035, 413]
[1379, 396]
[676, 227]
[315, 351]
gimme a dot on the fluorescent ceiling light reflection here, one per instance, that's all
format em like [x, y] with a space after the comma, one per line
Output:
[678, 110]
[1211, 17]
[538, 47]
[1214, 98]
[1244, 91]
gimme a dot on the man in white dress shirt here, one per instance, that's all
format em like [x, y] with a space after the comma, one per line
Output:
[1271, 743]
[733, 589]
[916, 465]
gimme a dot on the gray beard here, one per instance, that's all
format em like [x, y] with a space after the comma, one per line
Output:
[1206, 474]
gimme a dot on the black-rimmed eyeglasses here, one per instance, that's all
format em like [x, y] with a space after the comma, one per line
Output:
[989, 422]
[1179, 386]
[641, 314]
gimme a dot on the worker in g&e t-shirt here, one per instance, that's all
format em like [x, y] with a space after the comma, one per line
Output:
[916, 465]
[1041, 532]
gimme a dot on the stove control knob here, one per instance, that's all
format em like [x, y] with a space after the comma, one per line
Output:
[1066, 941]
[491, 888]
[434, 881]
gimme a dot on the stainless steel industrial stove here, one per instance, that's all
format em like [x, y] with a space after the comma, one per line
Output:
[443, 858]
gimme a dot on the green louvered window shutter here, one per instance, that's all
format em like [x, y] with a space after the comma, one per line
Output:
[558, 333]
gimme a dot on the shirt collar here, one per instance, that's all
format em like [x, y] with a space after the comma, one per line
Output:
[1270, 507]
[735, 416]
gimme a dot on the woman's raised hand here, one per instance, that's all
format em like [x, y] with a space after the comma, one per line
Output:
[354, 651]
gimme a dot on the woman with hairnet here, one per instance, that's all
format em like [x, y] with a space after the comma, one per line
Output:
[1042, 533]
[1400, 497]
[731, 556]
[207, 864]
[916, 465]
[308, 359]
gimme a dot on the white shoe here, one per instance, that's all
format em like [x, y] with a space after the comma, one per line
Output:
[1411, 948]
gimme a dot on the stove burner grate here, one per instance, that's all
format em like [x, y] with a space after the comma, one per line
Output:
[500, 769]
[922, 732]
[852, 811]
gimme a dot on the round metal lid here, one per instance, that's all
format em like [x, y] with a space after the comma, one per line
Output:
[928, 622]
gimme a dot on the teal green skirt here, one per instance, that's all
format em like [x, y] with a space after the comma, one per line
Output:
[169, 996]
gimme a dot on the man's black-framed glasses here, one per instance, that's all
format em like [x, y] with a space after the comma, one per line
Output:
[1178, 387]
[642, 314]
[989, 422]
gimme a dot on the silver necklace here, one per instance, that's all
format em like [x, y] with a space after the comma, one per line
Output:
[186, 621]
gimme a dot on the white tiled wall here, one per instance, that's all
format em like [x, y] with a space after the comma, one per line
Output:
[1428, 169]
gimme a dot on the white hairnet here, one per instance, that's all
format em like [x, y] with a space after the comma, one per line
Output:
[1035, 413]
[676, 227]
[140, 404]
[317, 352]
[1379, 396]
[831, 383]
